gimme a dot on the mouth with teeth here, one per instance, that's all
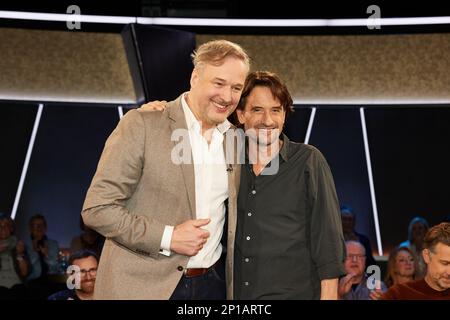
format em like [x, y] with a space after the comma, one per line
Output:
[220, 108]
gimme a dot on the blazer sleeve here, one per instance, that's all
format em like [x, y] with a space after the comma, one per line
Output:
[118, 173]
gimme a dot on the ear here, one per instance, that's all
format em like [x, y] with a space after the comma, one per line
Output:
[241, 117]
[426, 256]
[194, 77]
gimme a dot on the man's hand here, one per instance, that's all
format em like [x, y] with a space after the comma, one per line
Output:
[154, 106]
[40, 247]
[44, 249]
[375, 294]
[345, 284]
[188, 238]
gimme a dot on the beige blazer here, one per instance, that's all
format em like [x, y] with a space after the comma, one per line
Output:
[137, 190]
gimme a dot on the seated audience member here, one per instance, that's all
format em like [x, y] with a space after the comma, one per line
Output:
[89, 240]
[354, 286]
[348, 227]
[436, 284]
[43, 252]
[14, 264]
[87, 262]
[416, 232]
[401, 267]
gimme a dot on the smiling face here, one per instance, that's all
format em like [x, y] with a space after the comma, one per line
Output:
[263, 116]
[216, 90]
[88, 272]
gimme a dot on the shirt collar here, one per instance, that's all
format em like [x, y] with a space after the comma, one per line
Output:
[285, 147]
[192, 121]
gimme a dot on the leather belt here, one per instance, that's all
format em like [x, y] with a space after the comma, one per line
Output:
[196, 272]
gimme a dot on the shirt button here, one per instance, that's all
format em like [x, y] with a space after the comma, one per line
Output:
[180, 268]
[248, 238]
[253, 191]
[246, 259]
[249, 214]
[246, 283]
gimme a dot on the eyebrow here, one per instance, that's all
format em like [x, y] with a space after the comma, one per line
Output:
[274, 107]
[223, 80]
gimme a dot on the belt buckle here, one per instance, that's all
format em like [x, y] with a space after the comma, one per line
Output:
[198, 272]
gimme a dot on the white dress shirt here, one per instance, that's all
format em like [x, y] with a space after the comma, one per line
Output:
[211, 188]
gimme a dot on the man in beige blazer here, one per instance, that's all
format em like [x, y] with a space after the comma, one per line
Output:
[159, 192]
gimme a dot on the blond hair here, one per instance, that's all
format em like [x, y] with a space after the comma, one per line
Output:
[214, 52]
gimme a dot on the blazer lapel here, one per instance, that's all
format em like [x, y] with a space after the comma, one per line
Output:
[176, 114]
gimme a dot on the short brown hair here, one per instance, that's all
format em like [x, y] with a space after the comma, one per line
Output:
[273, 82]
[215, 51]
[438, 234]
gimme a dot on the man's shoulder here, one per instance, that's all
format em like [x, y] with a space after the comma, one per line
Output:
[309, 153]
[64, 295]
[172, 110]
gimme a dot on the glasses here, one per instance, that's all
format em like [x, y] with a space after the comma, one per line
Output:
[92, 272]
[354, 257]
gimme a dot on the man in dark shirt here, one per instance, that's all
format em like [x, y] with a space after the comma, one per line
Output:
[289, 242]
[436, 284]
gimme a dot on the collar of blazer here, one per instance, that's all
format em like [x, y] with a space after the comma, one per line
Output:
[175, 112]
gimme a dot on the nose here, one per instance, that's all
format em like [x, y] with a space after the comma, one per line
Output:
[267, 120]
[226, 94]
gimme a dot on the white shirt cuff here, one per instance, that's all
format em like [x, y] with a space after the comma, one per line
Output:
[165, 241]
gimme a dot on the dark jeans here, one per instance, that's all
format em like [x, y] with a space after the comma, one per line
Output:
[210, 286]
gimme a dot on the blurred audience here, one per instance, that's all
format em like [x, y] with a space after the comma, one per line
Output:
[348, 218]
[417, 229]
[14, 265]
[436, 284]
[89, 240]
[43, 252]
[401, 266]
[87, 263]
[354, 286]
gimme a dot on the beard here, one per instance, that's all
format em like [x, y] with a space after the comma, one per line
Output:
[442, 282]
[87, 286]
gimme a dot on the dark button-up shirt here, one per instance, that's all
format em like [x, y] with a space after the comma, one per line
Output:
[289, 232]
